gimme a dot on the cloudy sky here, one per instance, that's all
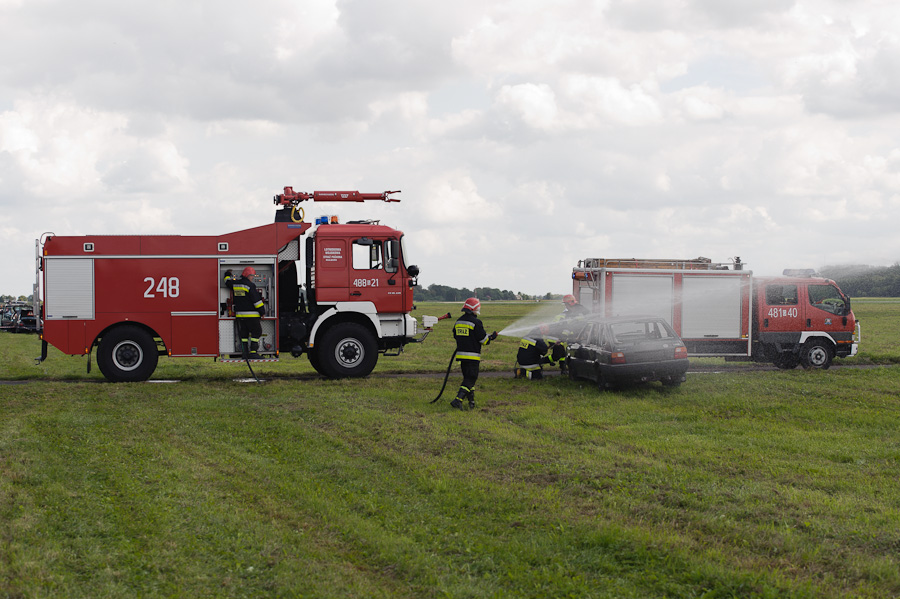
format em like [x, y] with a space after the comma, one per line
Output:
[525, 135]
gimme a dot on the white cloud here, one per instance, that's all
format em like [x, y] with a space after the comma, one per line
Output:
[633, 127]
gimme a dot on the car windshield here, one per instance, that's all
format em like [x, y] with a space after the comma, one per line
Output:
[640, 330]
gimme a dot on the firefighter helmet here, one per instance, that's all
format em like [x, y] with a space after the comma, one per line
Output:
[248, 272]
[569, 300]
[472, 304]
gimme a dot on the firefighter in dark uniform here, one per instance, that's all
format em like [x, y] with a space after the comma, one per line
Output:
[470, 338]
[532, 355]
[572, 311]
[248, 309]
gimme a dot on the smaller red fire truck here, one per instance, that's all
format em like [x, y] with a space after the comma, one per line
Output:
[721, 309]
[137, 297]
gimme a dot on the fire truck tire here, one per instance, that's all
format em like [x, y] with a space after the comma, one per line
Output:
[315, 362]
[786, 361]
[816, 353]
[348, 350]
[127, 354]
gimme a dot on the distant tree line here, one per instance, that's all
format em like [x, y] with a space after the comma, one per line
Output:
[15, 298]
[865, 281]
[443, 293]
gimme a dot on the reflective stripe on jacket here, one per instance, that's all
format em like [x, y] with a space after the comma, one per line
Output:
[470, 337]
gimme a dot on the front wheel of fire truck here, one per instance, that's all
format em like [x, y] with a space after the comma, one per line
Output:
[348, 350]
[816, 353]
[127, 354]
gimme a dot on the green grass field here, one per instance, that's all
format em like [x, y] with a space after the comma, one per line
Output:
[737, 484]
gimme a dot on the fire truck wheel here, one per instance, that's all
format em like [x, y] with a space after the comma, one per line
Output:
[786, 361]
[315, 362]
[127, 354]
[816, 353]
[348, 350]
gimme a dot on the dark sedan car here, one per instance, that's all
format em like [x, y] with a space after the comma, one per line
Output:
[611, 351]
[18, 318]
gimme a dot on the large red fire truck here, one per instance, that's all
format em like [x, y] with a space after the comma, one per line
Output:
[137, 297]
[721, 309]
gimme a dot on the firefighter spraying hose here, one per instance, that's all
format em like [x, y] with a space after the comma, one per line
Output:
[470, 337]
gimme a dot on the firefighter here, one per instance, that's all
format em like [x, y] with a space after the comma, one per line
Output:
[572, 311]
[532, 355]
[248, 309]
[572, 308]
[470, 337]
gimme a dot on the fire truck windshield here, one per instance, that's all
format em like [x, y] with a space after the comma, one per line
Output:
[828, 298]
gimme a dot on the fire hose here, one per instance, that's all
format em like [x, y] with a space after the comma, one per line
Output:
[449, 366]
[446, 376]
[246, 353]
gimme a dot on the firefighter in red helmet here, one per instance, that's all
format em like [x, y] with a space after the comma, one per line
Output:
[248, 309]
[470, 338]
[572, 311]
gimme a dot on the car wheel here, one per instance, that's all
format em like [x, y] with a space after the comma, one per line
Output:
[127, 354]
[602, 385]
[348, 350]
[671, 381]
[816, 353]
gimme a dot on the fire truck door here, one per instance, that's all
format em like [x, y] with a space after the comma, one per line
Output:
[825, 309]
[781, 311]
[375, 275]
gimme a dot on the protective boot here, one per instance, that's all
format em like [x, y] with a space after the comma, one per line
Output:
[460, 395]
[254, 348]
[245, 348]
[471, 396]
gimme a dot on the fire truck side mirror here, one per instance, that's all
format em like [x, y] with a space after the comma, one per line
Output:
[413, 270]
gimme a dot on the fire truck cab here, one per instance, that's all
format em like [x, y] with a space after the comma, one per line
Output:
[340, 293]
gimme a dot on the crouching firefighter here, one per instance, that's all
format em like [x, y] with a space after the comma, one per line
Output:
[248, 309]
[470, 337]
[532, 355]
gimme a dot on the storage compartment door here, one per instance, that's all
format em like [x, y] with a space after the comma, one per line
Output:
[69, 288]
[648, 295]
[711, 307]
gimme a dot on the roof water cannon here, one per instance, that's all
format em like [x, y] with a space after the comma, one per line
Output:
[292, 198]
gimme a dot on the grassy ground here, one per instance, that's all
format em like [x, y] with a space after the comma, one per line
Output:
[768, 484]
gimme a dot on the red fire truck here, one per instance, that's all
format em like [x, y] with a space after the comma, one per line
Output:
[137, 297]
[721, 309]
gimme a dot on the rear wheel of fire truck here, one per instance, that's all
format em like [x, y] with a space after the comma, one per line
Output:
[348, 350]
[816, 353]
[786, 360]
[127, 354]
